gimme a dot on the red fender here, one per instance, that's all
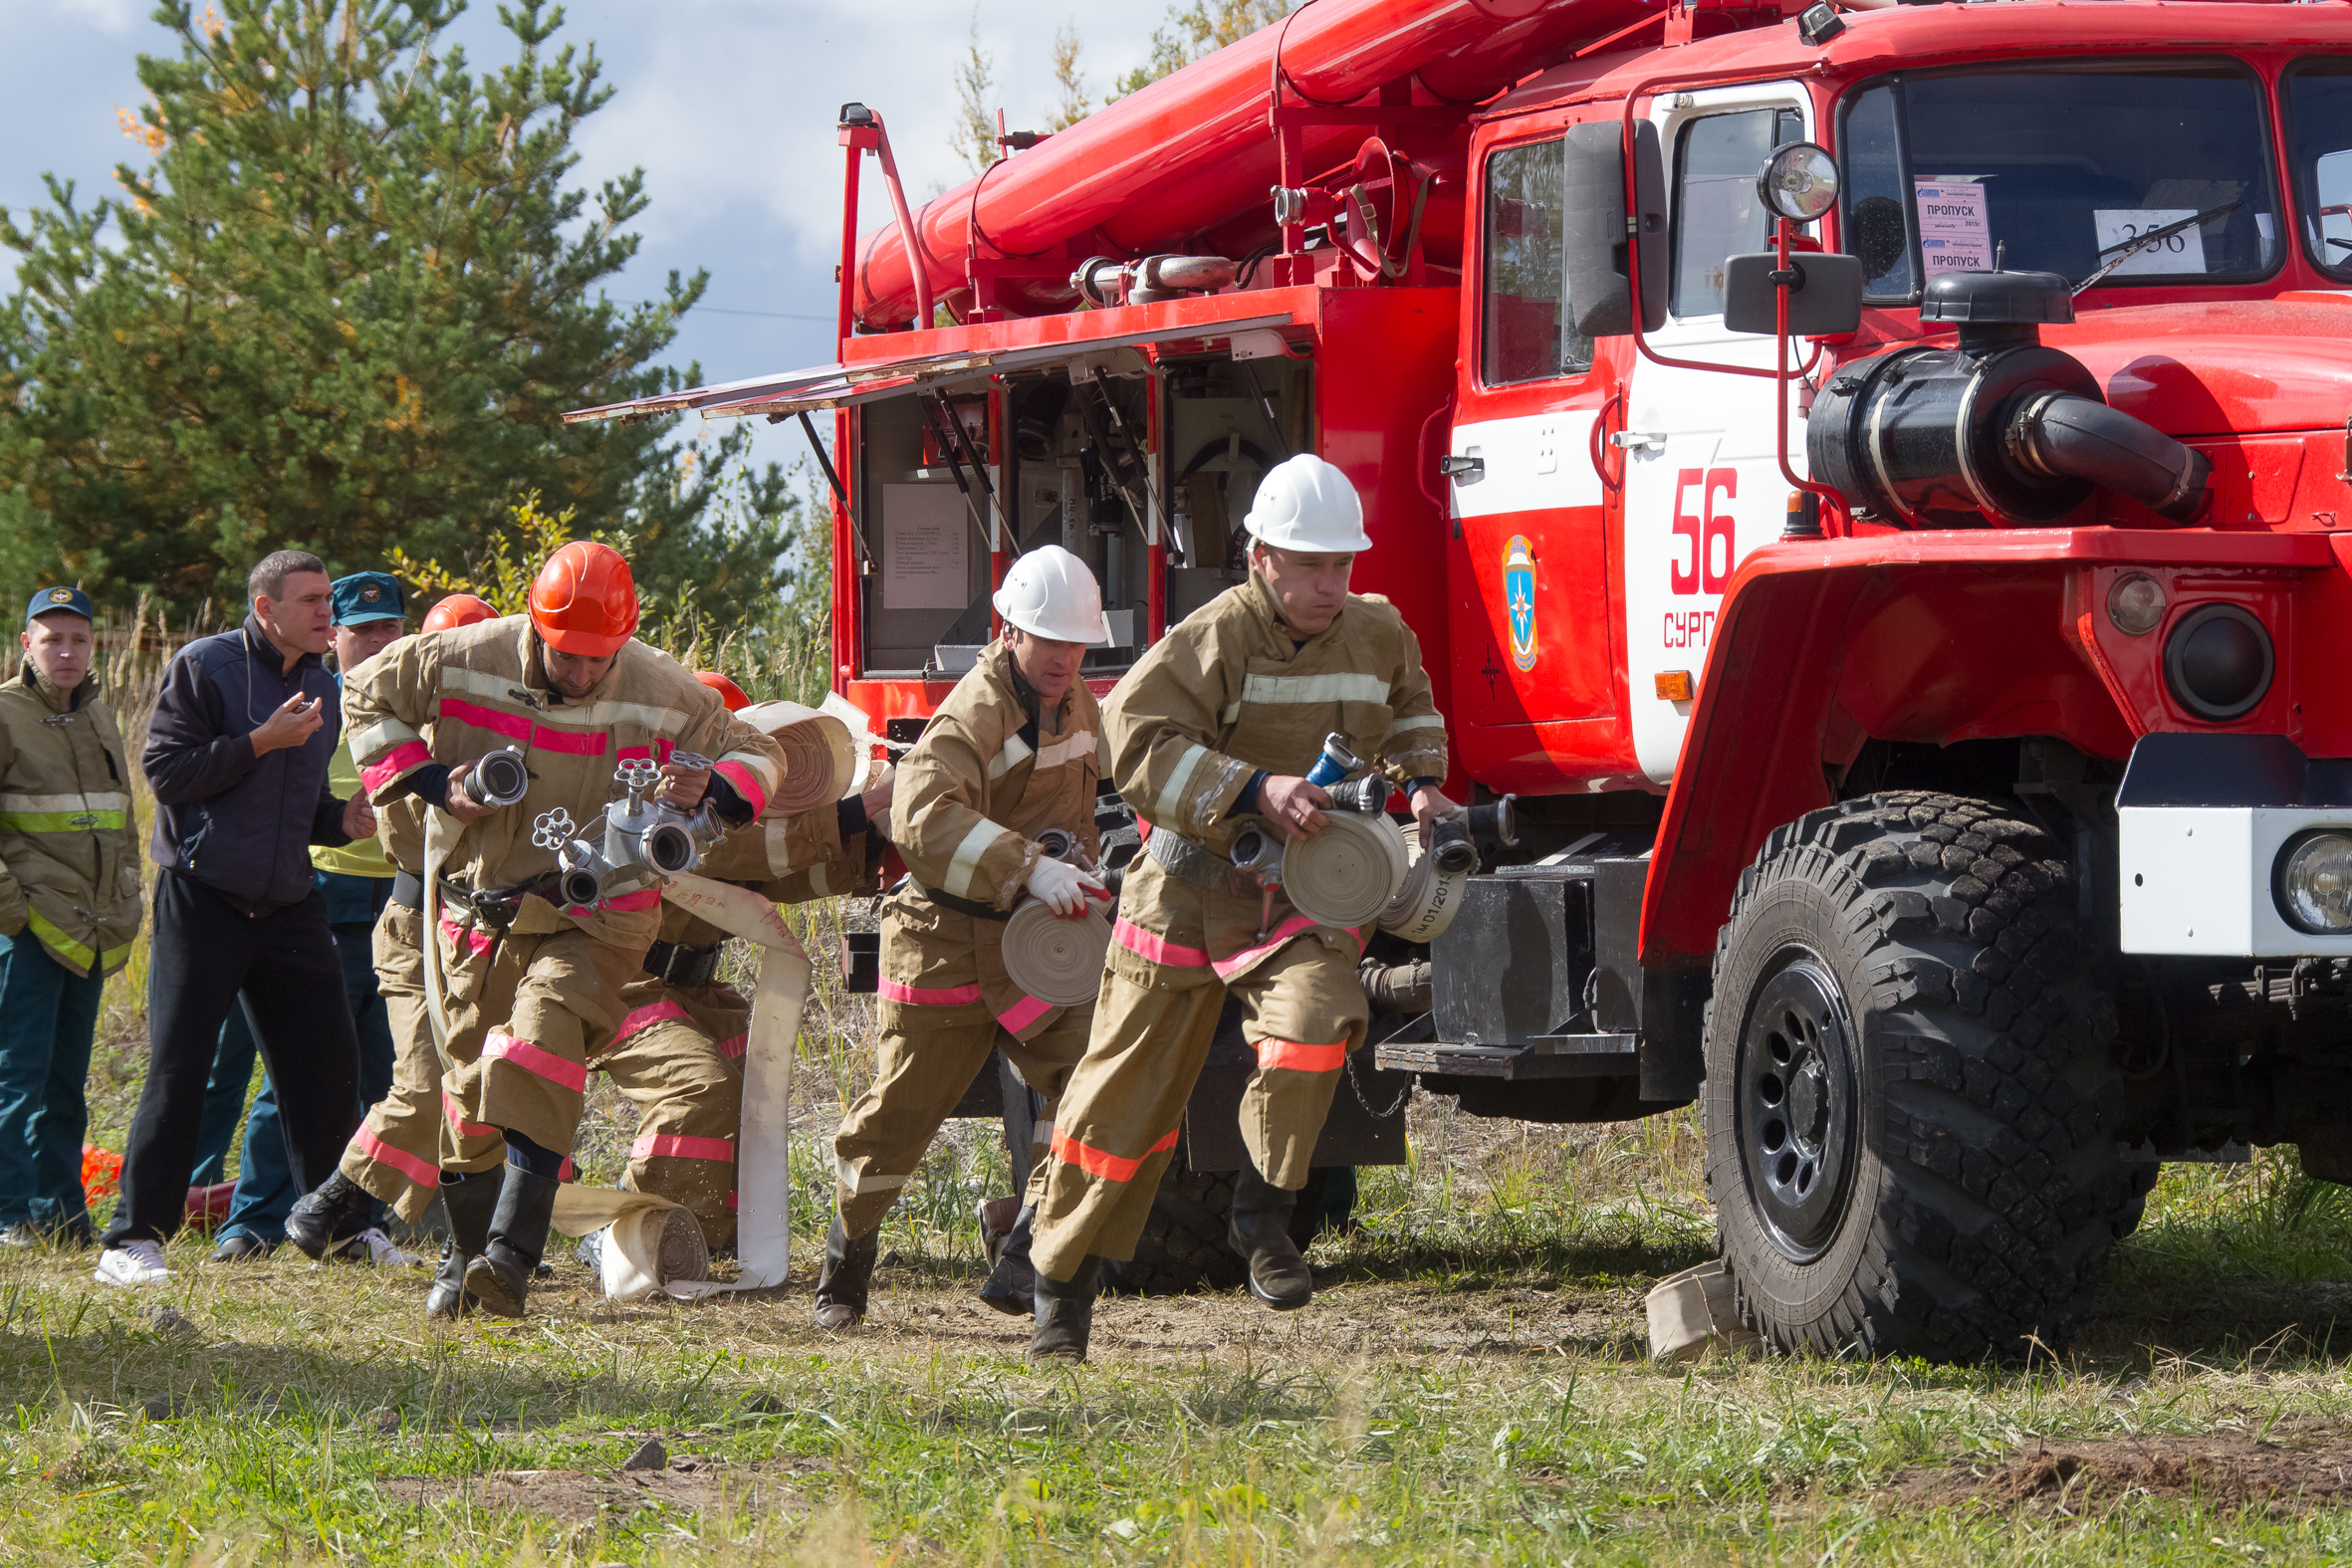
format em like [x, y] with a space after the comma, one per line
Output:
[1930, 637]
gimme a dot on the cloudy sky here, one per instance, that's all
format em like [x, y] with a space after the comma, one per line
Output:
[728, 108]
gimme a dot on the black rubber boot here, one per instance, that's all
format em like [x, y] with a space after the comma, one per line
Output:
[1010, 1286]
[328, 1216]
[500, 1277]
[471, 1206]
[1064, 1313]
[1261, 1231]
[848, 1277]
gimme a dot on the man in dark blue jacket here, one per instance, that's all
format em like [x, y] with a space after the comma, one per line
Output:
[237, 755]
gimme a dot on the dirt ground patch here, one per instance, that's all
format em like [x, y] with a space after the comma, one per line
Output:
[2293, 1467]
[686, 1485]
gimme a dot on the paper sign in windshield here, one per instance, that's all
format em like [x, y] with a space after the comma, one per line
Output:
[1954, 235]
[2174, 253]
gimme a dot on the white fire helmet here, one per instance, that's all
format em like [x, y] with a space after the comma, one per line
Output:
[1049, 593]
[1306, 505]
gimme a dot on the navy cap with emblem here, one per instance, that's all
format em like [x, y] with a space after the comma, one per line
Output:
[365, 597]
[72, 600]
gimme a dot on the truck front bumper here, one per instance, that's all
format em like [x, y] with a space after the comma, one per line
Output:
[2207, 822]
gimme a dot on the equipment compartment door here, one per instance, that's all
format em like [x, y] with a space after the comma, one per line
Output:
[1703, 485]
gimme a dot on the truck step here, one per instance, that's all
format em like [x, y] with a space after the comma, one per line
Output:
[1546, 1056]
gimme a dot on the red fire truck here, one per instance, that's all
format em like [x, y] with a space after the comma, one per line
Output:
[1871, 482]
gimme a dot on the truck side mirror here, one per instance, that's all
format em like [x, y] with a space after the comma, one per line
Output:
[1592, 237]
[1825, 302]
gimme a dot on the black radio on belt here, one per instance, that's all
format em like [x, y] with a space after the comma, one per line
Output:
[681, 966]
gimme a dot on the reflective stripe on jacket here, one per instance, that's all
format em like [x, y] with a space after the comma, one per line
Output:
[69, 843]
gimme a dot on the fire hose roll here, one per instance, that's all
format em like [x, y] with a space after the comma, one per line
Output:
[1347, 874]
[1057, 961]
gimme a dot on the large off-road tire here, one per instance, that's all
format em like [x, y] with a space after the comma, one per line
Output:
[1909, 1103]
[1183, 1247]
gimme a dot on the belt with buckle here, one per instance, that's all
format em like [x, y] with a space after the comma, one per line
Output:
[496, 907]
[683, 966]
[1187, 861]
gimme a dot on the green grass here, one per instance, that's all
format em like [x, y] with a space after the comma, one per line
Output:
[1469, 1387]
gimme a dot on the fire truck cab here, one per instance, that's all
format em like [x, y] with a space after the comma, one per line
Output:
[1870, 481]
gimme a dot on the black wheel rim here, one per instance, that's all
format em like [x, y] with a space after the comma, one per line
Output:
[1797, 1104]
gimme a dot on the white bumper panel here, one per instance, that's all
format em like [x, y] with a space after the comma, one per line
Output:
[2196, 879]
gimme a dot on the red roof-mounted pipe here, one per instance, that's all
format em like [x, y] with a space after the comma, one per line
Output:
[1194, 148]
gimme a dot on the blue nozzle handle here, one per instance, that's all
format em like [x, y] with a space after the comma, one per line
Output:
[1336, 763]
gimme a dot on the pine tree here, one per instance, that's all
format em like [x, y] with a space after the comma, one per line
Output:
[339, 311]
[1196, 31]
[973, 135]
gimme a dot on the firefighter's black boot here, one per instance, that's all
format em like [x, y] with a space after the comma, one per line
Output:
[1064, 1313]
[471, 1204]
[1010, 1286]
[328, 1216]
[499, 1278]
[1261, 1231]
[849, 1274]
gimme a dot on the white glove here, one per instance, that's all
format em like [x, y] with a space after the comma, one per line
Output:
[1062, 887]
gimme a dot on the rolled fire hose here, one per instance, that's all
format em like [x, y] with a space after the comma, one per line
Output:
[643, 1245]
[819, 758]
[1427, 901]
[1347, 874]
[1057, 961]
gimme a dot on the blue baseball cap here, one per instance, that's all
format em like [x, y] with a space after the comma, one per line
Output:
[365, 597]
[49, 600]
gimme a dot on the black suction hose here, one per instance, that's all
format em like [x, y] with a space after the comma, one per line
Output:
[2062, 435]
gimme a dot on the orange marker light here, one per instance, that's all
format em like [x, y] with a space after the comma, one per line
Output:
[1675, 686]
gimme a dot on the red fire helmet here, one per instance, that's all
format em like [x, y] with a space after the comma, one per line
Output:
[585, 602]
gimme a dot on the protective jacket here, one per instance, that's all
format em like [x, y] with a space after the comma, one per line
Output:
[68, 847]
[1225, 694]
[239, 823]
[991, 772]
[425, 703]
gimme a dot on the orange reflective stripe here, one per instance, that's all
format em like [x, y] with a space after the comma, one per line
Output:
[1298, 1056]
[1110, 1167]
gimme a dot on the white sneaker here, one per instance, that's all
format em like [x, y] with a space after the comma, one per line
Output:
[21, 1238]
[372, 1245]
[132, 1264]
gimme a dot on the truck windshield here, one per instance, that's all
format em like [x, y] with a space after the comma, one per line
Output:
[2318, 95]
[2061, 170]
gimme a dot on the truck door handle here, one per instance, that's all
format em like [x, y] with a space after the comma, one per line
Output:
[1635, 440]
[1457, 467]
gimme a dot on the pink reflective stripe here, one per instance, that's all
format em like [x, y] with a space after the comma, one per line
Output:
[514, 727]
[672, 1146]
[537, 1061]
[643, 898]
[479, 941]
[422, 1172]
[394, 762]
[1296, 925]
[1298, 1056]
[646, 1016]
[927, 997]
[567, 1172]
[1158, 949]
[730, 1199]
[660, 752]
[747, 784]
[732, 1050]
[1024, 1012]
[458, 1121]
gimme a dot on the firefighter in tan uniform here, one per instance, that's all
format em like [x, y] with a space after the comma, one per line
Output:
[1216, 725]
[531, 984]
[1011, 752]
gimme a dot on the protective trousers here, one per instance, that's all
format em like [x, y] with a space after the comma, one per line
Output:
[1302, 1012]
[922, 1069]
[686, 1085]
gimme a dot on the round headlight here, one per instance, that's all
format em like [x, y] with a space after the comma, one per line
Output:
[2217, 661]
[2136, 605]
[1799, 181]
[2314, 887]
